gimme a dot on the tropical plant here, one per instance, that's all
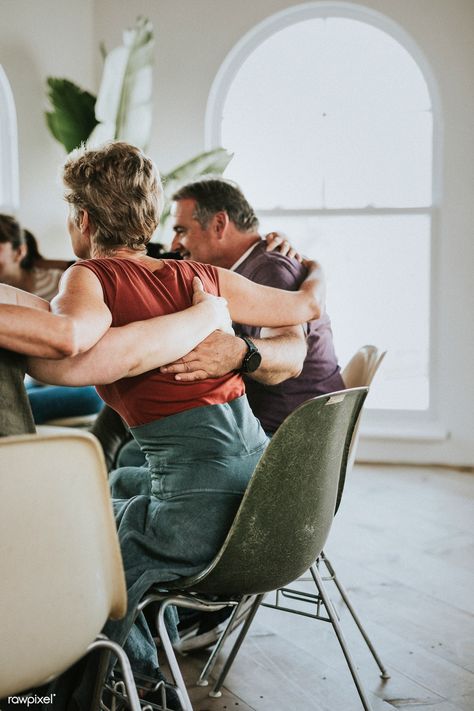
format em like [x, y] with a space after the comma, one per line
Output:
[210, 162]
[73, 119]
[124, 104]
[122, 110]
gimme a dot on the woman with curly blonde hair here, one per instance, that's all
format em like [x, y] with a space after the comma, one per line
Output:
[201, 439]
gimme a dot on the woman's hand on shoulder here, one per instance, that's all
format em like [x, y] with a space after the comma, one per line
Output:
[217, 304]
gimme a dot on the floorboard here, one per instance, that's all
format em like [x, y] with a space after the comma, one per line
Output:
[403, 546]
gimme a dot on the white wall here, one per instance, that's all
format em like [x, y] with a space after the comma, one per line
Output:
[40, 39]
[193, 38]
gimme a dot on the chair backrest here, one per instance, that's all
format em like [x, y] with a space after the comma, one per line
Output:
[79, 421]
[62, 573]
[361, 368]
[288, 507]
[359, 372]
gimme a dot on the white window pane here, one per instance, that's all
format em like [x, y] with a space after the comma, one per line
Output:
[377, 270]
[367, 69]
[330, 113]
[378, 160]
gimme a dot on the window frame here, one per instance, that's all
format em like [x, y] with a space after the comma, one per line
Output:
[379, 421]
[9, 172]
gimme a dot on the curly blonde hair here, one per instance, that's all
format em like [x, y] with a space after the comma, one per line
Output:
[120, 188]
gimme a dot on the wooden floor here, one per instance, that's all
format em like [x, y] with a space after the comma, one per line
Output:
[403, 545]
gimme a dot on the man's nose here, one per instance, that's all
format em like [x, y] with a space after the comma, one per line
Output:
[176, 245]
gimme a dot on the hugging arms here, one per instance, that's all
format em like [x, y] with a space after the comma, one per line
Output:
[74, 344]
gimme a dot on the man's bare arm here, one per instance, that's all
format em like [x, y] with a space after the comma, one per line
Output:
[27, 327]
[283, 353]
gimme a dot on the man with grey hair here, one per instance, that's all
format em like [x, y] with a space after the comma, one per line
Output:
[282, 367]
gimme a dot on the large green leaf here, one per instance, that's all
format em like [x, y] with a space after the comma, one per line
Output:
[72, 119]
[124, 103]
[210, 162]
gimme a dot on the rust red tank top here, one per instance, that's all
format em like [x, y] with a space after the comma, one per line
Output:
[134, 293]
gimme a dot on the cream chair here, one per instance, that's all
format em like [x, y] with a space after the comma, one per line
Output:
[359, 372]
[80, 421]
[62, 574]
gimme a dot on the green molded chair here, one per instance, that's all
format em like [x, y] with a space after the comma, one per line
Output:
[359, 372]
[280, 527]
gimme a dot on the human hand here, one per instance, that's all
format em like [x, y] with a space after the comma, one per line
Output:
[219, 354]
[277, 241]
[217, 303]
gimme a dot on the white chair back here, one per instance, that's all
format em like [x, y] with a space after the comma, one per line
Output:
[62, 573]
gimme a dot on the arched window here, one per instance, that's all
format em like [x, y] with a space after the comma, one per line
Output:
[328, 109]
[9, 191]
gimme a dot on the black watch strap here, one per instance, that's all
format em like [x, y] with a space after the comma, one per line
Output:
[252, 358]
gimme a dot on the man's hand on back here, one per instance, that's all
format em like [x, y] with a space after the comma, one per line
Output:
[219, 354]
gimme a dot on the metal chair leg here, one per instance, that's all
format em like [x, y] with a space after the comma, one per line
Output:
[338, 630]
[171, 657]
[384, 673]
[132, 695]
[215, 693]
[203, 677]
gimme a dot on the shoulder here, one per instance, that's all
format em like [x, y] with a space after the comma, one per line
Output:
[206, 272]
[272, 269]
[91, 273]
[105, 266]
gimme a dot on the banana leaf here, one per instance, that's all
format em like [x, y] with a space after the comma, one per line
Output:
[124, 104]
[72, 119]
[210, 162]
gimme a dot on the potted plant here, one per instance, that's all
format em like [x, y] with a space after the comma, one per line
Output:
[122, 109]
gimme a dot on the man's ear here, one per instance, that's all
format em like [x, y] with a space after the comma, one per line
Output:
[220, 222]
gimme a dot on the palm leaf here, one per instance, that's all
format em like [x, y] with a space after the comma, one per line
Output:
[214, 161]
[210, 162]
[72, 119]
[124, 106]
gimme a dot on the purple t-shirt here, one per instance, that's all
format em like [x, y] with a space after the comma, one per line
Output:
[320, 374]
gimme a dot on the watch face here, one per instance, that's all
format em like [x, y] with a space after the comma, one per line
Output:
[252, 361]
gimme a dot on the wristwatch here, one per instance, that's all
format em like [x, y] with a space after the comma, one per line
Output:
[252, 358]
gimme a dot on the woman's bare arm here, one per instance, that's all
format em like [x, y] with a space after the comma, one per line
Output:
[140, 346]
[81, 301]
[257, 305]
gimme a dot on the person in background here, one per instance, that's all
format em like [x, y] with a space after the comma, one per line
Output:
[23, 266]
[21, 263]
